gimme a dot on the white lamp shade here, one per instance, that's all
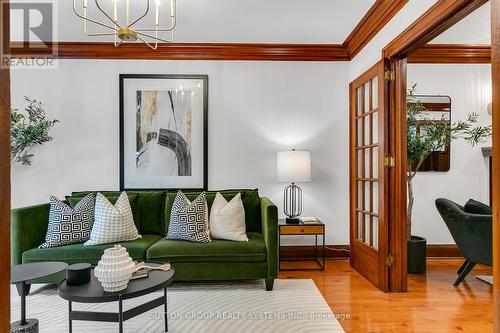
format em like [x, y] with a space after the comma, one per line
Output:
[294, 166]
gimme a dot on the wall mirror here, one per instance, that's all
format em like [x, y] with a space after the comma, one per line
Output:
[437, 109]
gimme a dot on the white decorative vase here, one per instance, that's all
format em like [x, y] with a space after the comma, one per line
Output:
[114, 269]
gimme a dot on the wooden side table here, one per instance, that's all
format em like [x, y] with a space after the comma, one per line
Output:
[316, 229]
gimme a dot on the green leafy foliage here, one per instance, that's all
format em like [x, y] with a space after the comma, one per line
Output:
[437, 134]
[28, 129]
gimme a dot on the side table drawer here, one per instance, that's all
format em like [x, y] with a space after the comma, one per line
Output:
[301, 229]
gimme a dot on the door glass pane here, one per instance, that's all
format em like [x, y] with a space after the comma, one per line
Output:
[375, 162]
[375, 197]
[367, 228]
[367, 196]
[359, 224]
[360, 163]
[375, 127]
[367, 97]
[367, 163]
[367, 130]
[375, 232]
[375, 92]
[359, 104]
[360, 132]
[360, 195]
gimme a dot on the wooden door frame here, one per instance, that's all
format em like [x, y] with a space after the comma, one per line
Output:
[4, 181]
[495, 71]
[440, 17]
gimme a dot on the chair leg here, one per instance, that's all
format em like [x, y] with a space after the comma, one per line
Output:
[463, 266]
[470, 265]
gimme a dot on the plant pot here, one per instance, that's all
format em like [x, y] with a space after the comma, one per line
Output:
[417, 254]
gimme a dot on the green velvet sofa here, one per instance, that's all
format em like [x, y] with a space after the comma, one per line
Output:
[218, 260]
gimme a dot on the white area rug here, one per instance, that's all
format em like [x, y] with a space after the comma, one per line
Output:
[293, 306]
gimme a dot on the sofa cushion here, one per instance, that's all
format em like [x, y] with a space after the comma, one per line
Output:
[250, 198]
[78, 253]
[113, 223]
[215, 251]
[189, 220]
[149, 211]
[475, 207]
[69, 225]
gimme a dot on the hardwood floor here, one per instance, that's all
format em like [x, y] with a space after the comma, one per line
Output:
[432, 303]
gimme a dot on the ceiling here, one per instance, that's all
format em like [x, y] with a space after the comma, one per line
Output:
[245, 21]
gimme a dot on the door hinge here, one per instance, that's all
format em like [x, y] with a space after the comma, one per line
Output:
[389, 161]
[389, 74]
[390, 260]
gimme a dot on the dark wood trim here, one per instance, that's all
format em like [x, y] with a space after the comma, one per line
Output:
[451, 54]
[495, 75]
[443, 251]
[196, 51]
[379, 14]
[342, 251]
[440, 17]
[395, 93]
[4, 180]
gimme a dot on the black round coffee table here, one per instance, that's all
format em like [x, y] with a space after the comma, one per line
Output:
[93, 292]
[20, 275]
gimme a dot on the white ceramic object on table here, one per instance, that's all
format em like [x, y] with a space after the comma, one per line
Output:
[114, 269]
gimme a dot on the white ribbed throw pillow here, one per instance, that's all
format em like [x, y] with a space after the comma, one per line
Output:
[227, 219]
[112, 223]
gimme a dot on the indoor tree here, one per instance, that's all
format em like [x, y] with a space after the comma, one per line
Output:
[436, 135]
[28, 129]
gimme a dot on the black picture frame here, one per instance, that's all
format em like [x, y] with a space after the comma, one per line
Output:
[204, 78]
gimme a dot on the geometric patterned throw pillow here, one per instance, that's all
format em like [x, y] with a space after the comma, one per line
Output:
[113, 223]
[69, 225]
[189, 220]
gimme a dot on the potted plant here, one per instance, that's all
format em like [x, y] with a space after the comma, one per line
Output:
[27, 130]
[419, 147]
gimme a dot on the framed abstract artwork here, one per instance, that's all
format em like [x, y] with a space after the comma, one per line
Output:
[163, 131]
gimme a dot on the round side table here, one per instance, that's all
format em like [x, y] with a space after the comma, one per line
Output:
[20, 275]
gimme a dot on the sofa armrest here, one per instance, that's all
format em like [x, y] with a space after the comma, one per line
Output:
[269, 217]
[27, 230]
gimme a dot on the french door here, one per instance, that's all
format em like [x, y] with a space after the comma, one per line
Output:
[368, 177]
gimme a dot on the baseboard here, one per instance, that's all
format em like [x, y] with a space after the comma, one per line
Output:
[341, 251]
[443, 251]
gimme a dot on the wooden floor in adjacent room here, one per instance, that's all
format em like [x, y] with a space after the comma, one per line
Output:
[432, 303]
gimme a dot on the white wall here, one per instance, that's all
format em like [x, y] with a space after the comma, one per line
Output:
[472, 29]
[469, 87]
[255, 110]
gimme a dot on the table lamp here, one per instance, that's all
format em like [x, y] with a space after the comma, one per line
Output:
[293, 166]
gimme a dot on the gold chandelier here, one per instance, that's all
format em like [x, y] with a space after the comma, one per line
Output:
[126, 30]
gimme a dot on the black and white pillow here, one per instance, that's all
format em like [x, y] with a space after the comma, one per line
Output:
[189, 220]
[69, 225]
[113, 223]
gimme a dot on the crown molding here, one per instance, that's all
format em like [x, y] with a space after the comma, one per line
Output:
[451, 54]
[191, 51]
[374, 20]
[437, 19]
